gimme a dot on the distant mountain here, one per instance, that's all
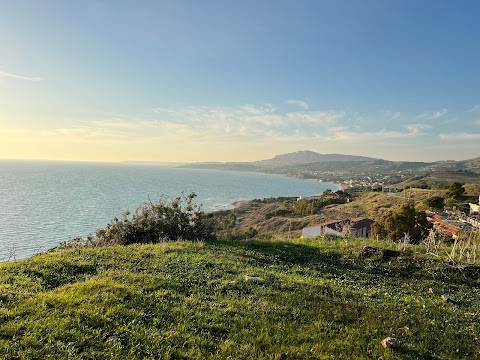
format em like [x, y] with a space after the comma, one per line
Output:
[337, 166]
[281, 161]
[306, 157]
[375, 166]
[471, 165]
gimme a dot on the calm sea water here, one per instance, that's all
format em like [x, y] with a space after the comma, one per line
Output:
[44, 203]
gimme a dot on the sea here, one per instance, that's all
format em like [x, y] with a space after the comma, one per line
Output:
[43, 203]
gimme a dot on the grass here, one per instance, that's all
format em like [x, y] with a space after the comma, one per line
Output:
[317, 300]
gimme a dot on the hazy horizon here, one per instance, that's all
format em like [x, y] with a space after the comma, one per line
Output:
[206, 161]
[184, 81]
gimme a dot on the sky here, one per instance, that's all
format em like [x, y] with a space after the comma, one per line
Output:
[216, 80]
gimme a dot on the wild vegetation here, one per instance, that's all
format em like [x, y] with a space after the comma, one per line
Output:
[440, 179]
[277, 218]
[314, 206]
[331, 299]
[404, 221]
[435, 203]
[165, 220]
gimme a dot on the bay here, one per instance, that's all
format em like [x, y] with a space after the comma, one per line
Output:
[43, 203]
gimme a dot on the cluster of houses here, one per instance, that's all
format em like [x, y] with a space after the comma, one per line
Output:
[449, 224]
[361, 228]
[445, 223]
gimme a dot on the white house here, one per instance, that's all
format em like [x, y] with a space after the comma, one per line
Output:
[475, 208]
[390, 189]
[360, 228]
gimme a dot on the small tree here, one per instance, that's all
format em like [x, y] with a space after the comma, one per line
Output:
[435, 202]
[456, 191]
[400, 221]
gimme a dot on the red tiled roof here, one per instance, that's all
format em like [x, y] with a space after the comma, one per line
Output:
[442, 224]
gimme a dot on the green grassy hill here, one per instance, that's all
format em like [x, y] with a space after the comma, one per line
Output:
[307, 300]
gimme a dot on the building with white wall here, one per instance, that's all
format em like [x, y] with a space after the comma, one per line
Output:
[360, 228]
[475, 208]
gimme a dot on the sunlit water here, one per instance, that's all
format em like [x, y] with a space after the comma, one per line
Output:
[45, 203]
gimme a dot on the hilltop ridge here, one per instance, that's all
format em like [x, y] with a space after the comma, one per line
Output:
[306, 157]
[340, 167]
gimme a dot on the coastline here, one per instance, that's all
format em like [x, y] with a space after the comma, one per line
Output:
[239, 203]
[69, 210]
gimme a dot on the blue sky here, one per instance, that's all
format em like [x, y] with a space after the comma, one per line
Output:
[239, 80]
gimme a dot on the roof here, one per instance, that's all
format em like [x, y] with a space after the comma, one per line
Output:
[330, 222]
[442, 224]
[333, 194]
[362, 223]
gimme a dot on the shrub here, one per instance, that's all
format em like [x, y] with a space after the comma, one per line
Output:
[331, 237]
[278, 212]
[237, 234]
[178, 219]
[455, 192]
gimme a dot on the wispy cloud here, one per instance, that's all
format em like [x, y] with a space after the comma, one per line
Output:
[301, 103]
[124, 124]
[391, 115]
[347, 134]
[241, 132]
[319, 118]
[249, 121]
[432, 115]
[4, 74]
[474, 109]
[246, 123]
[416, 129]
[396, 115]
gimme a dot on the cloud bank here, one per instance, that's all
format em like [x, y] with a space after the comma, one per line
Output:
[252, 132]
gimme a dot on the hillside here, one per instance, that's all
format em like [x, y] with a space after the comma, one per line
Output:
[471, 165]
[339, 168]
[373, 166]
[371, 205]
[239, 299]
[440, 177]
